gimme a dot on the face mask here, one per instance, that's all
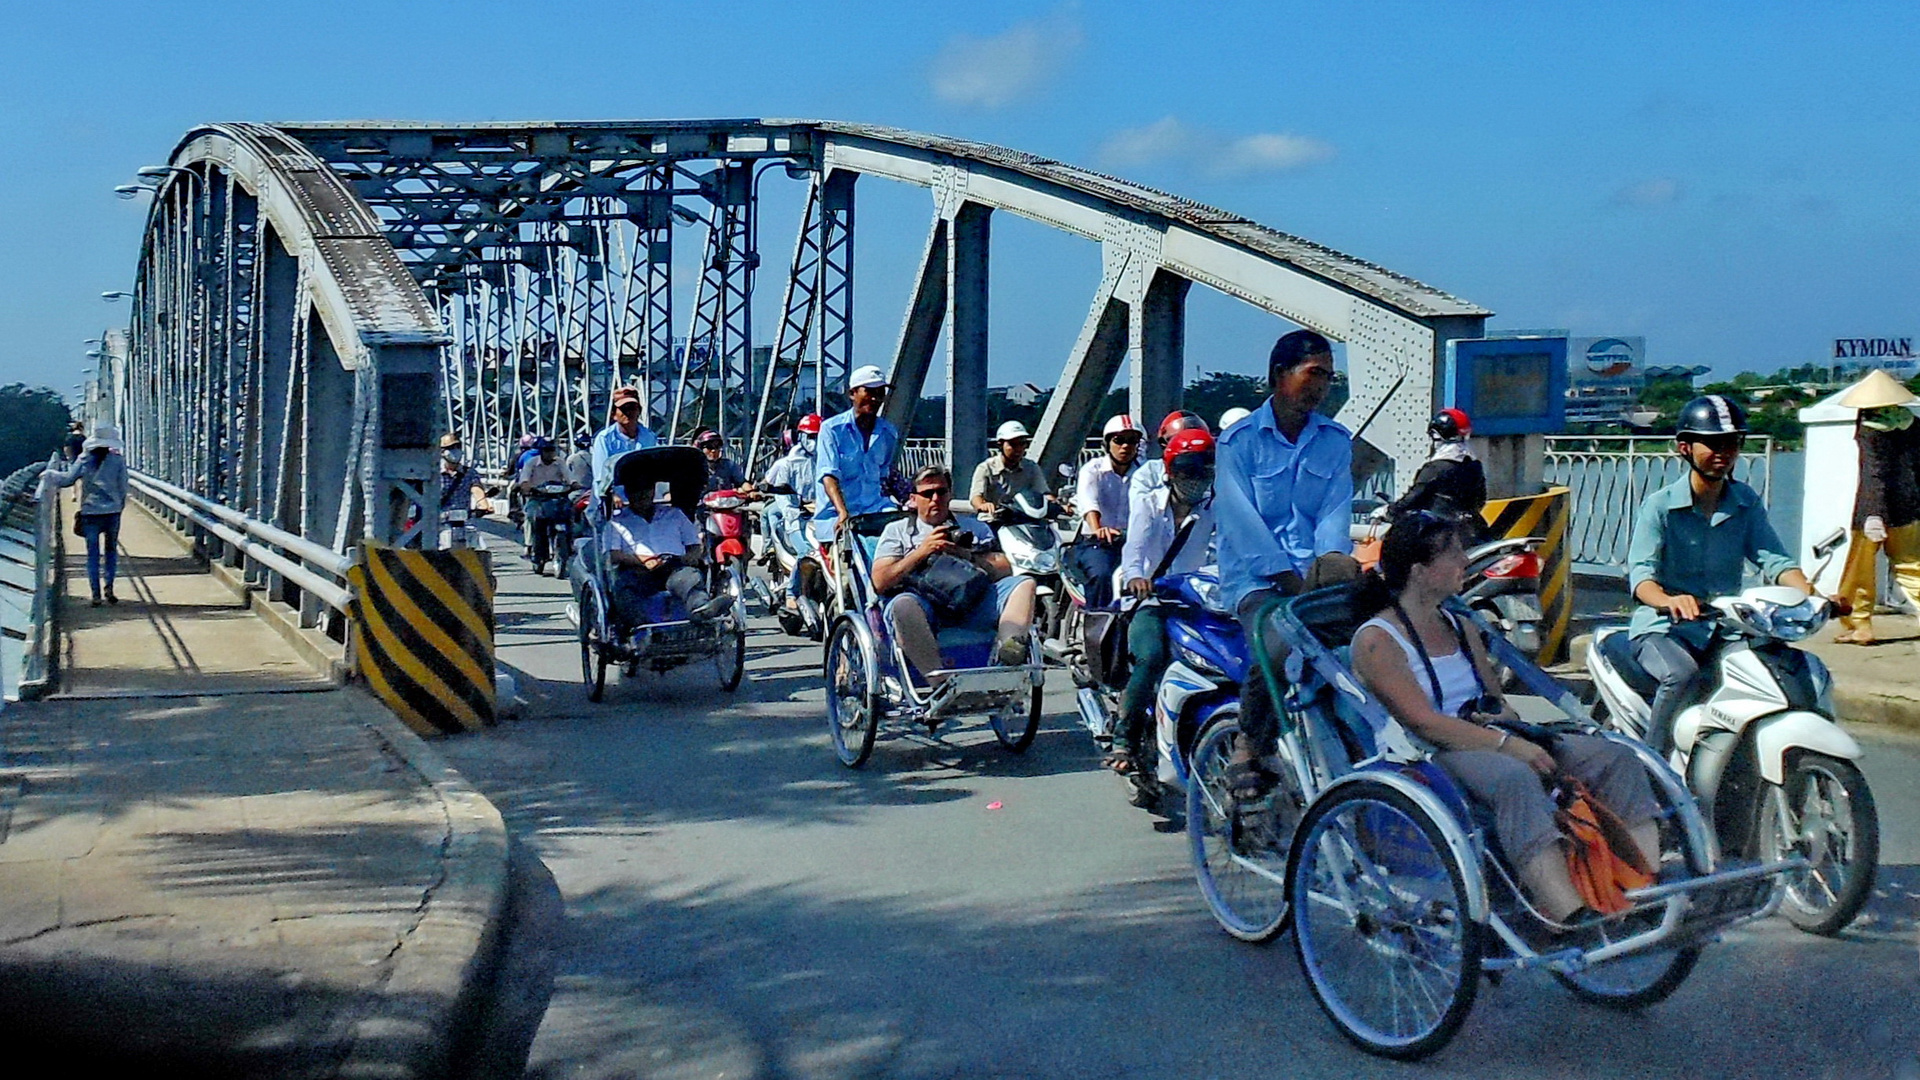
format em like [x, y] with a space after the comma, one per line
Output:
[452, 457]
[1190, 489]
[1891, 418]
[807, 443]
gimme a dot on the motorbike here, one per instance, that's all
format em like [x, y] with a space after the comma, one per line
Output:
[724, 531]
[1026, 535]
[1209, 659]
[784, 544]
[551, 503]
[1759, 745]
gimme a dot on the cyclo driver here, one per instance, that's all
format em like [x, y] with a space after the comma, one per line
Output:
[1691, 540]
[1283, 503]
[913, 545]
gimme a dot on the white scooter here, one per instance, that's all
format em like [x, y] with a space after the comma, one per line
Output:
[1026, 536]
[1760, 748]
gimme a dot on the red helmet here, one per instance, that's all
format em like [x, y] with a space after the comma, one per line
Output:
[1449, 425]
[1193, 446]
[810, 424]
[1179, 420]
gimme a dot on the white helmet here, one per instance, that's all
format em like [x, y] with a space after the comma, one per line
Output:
[1118, 424]
[1233, 416]
[1012, 429]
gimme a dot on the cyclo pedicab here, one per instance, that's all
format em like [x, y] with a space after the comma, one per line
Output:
[1397, 895]
[664, 637]
[869, 679]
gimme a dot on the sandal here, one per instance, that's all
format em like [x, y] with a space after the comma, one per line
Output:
[1249, 781]
[1120, 761]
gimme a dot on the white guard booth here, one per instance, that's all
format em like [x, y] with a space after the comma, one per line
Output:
[1829, 480]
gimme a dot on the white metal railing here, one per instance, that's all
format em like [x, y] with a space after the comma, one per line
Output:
[28, 519]
[917, 454]
[317, 569]
[1608, 477]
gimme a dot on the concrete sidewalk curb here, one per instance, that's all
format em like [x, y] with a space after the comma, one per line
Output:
[443, 966]
[1870, 705]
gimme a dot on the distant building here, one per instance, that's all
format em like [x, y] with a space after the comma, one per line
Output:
[1025, 394]
[1604, 378]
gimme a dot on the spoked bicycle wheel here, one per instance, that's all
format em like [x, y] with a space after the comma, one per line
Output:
[1381, 923]
[1016, 724]
[1240, 861]
[593, 656]
[853, 705]
[1824, 814]
[731, 658]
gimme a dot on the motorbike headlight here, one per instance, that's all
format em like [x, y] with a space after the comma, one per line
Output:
[1790, 622]
[1046, 562]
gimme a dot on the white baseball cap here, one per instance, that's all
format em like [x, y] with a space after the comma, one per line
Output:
[1233, 416]
[1118, 424]
[866, 376]
[1012, 429]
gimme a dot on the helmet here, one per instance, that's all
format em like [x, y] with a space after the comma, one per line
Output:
[1711, 414]
[1119, 425]
[810, 424]
[705, 436]
[541, 443]
[1012, 429]
[1189, 460]
[1187, 448]
[1450, 425]
[1233, 416]
[1180, 420]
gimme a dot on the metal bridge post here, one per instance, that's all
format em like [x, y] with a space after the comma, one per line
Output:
[1157, 344]
[919, 330]
[967, 272]
[1095, 359]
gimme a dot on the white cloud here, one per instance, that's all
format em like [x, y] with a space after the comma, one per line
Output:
[1171, 139]
[992, 72]
[1658, 191]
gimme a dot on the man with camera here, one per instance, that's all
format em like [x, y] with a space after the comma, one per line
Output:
[943, 573]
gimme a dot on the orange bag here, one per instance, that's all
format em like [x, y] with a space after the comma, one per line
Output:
[1602, 858]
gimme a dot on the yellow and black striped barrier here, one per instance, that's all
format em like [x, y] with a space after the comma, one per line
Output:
[1543, 515]
[423, 635]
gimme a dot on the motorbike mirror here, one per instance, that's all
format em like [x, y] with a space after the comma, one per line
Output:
[1828, 543]
[1066, 470]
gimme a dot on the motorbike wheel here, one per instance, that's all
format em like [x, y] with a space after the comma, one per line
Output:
[1239, 859]
[853, 702]
[731, 660]
[1824, 814]
[593, 656]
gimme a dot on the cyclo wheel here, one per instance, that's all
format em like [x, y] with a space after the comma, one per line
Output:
[1824, 814]
[593, 657]
[853, 704]
[1240, 864]
[1381, 923]
[1016, 724]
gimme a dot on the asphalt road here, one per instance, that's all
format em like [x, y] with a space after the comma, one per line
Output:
[727, 901]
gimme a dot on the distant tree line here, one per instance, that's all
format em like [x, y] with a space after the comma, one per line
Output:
[1212, 393]
[33, 424]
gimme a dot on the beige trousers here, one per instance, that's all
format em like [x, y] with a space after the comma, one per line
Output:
[1860, 580]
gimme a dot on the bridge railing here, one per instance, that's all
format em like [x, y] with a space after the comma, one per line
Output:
[917, 454]
[1609, 476]
[30, 554]
[318, 570]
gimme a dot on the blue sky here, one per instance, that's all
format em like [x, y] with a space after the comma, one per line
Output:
[1737, 182]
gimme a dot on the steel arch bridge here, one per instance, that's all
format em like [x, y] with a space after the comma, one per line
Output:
[317, 303]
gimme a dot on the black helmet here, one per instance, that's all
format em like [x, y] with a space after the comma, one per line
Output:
[1711, 414]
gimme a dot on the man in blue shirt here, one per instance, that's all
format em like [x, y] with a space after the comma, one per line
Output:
[855, 456]
[1691, 541]
[624, 434]
[1282, 501]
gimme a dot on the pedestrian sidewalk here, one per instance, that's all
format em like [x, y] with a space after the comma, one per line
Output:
[210, 867]
[1878, 683]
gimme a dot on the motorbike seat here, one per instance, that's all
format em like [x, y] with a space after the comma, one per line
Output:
[1617, 649]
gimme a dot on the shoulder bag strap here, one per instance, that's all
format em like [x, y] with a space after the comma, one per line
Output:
[1433, 677]
[1460, 635]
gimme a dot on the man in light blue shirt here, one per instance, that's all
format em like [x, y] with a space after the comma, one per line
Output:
[1691, 542]
[855, 456]
[624, 434]
[1282, 503]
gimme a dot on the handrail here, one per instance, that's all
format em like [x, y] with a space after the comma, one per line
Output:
[258, 540]
[36, 656]
[1610, 475]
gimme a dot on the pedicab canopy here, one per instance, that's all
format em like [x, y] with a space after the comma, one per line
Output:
[681, 468]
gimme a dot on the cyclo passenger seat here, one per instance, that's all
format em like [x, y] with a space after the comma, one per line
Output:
[1328, 613]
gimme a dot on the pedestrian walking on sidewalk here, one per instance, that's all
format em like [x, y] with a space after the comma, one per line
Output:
[101, 472]
[1886, 506]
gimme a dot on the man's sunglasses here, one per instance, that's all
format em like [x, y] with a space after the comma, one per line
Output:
[1129, 439]
[933, 493]
[1719, 444]
[628, 407]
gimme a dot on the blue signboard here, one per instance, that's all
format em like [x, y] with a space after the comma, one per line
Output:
[1509, 385]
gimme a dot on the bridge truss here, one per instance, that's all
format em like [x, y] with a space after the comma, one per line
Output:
[317, 303]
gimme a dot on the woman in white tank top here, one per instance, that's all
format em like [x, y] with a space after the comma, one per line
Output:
[1436, 681]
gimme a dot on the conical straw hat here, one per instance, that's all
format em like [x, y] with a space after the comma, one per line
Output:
[1878, 389]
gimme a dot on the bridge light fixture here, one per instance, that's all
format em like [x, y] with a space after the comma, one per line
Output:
[159, 172]
[128, 191]
[796, 170]
[685, 214]
[116, 294]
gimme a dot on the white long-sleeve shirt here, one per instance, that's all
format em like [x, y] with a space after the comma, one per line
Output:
[1150, 532]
